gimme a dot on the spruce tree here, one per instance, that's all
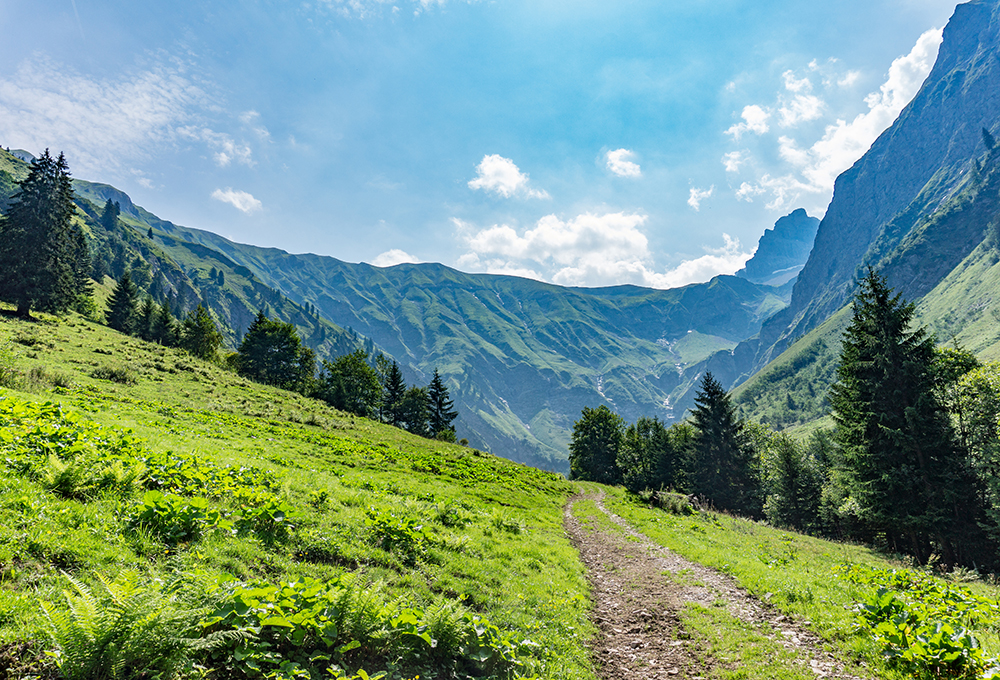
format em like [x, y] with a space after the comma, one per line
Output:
[109, 215]
[393, 391]
[40, 259]
[903, 466]
[165, 327]
[272, 353]
[200, 336]
[121, 310]
[721, 463]
[442, 411]
[144, 318]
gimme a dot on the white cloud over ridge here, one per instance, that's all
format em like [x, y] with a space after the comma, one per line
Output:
[815, 167]
[619, 162]
[498, 175]
[587, 250]
[393, 257]
[241, 200]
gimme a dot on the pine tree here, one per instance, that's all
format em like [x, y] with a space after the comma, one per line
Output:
[144, 319]
[721, 466]
[904, 469]
[109, 216]
[165, 328]
[121, 310]
[39, 247]
[349, 383]
[200, 336]
[414, 411]
[442, 411]
[593, 450]
[393, 391]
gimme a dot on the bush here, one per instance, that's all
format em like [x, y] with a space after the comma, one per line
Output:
[119, 374]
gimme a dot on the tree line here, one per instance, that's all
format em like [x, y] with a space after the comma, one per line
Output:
[912, 463]
[46, 265]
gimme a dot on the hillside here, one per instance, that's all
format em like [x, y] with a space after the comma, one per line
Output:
[268, 487]
[521, 358]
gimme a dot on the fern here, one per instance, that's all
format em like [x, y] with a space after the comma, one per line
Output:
[135, 628]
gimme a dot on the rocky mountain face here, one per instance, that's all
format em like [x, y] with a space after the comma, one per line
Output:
[888, 210]
[782, 250]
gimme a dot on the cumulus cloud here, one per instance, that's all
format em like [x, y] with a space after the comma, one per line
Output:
[733, 160]
[619, 162]
[816, 166]
[754, 120]
[241, 200]
[499, 175]
[588, 250]
[393, 257]
[696, 196]
[107, 126]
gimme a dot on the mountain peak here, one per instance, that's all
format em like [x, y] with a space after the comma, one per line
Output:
[782, 250]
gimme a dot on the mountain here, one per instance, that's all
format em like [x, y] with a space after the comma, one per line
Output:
[782, 251]
[922, 207]
[915, 205]
[520, 357]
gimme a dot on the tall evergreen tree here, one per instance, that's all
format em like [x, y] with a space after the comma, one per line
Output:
[904, 469]
[349, 383]
[39, 258]
[393, 391]
[121, 310]
[721, 463]
[165, 328]
[414, 411]
[200, 336]
[651, 454]
[593, 450]
[442, 412]
[109, 215]
[145, 318]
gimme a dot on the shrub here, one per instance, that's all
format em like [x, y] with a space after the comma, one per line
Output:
[175, 519]
[119, 374]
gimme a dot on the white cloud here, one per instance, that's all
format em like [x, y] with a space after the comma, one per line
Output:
[107, 126]
[364, 9]
[225, 148]
[588, 250]
[393, 257]
[618, 162]
[733, 160]
[801, 108]
[754, 120]
[696, 196]
[499, 175]
[815, 167]
[747, 191]
[241, 200]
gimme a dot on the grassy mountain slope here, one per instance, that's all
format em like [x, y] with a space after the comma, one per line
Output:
[520, 357]
[433, 529]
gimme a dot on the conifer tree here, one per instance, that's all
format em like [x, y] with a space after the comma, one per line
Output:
[413, 411]
[165, 328]
[109, 215]
[721, 465]
[40, 265]
[349, 383]
[272, 353]
[393, 391]
[144, 319]
[904, 469]
[442, 412]
[200, 336]
[121, 310]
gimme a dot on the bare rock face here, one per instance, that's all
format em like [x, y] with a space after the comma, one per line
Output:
[782, 251]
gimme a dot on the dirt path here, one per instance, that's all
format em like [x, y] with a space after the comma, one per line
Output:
[637, 606]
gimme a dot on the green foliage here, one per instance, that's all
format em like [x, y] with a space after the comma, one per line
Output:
[119, 374]
[441, 408]
[651, 455]
[133, 628]
[351, 384]
[272, 353]
[307, 623]
[174, 519]
[396, 533]
[597, 439]
[793, 482]
[920, 623]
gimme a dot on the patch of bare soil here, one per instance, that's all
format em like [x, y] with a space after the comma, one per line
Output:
[638, 605]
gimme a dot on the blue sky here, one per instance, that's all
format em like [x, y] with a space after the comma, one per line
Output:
[584, 143]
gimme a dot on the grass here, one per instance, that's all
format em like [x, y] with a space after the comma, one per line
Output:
[794, 573]
[489, 536]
